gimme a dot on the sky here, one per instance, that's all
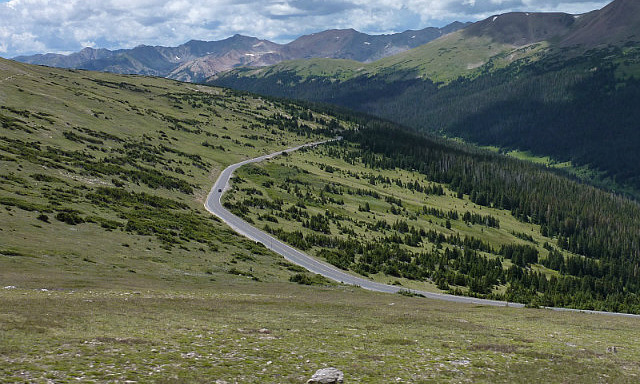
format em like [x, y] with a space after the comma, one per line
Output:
[65, 26]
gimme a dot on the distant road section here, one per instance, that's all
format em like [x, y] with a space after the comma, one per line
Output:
[213, 205]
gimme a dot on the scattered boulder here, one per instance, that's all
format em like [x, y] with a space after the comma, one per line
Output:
[327, 376]
[612, 349]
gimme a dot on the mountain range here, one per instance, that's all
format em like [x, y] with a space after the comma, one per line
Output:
[197, 60]
[491, 43]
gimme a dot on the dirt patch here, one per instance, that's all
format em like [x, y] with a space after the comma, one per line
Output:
[398, 341]
[119, 340]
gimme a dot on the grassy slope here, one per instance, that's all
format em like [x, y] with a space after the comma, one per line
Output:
[443, 59]
[250, 332]
[108, 304]
[140, 114]
[333, 68]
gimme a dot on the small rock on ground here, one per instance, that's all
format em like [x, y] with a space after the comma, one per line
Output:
[327, 376]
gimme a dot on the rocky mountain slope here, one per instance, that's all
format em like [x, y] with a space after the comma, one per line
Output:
[618, 24]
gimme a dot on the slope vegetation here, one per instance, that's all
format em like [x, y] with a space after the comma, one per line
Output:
[410, 211]
[91, 157]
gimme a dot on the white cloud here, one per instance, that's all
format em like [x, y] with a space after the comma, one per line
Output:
[283, 9]
[36, 26]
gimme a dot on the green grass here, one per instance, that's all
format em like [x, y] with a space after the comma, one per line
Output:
[543, 160]
[443, 59]
[334, 68]
[525, 156]
[584, 172]
[240, 331]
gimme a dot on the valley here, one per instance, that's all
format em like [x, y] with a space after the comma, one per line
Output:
[551, 84]
[488, 165]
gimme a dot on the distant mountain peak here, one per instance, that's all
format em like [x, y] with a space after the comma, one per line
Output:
[522, 28]
[618, 22]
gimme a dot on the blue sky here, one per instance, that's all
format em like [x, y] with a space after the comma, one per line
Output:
[64, 26]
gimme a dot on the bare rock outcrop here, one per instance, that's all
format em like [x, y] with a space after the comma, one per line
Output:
[327, 376]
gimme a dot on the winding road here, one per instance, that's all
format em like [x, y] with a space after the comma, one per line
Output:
[213, 205]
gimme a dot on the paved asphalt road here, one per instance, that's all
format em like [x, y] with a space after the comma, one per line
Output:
[214, 206]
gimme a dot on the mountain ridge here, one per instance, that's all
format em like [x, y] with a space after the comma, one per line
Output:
[522, 28]
[198, 60]
[616, 23]
[498, 41]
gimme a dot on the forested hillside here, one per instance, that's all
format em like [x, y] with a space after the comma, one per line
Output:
[588, 222]
[385, 202]
[581, 110]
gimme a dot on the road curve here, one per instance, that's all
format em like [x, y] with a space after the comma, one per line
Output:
[213, 205]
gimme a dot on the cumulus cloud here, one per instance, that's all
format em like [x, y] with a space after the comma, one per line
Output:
[38, 26]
